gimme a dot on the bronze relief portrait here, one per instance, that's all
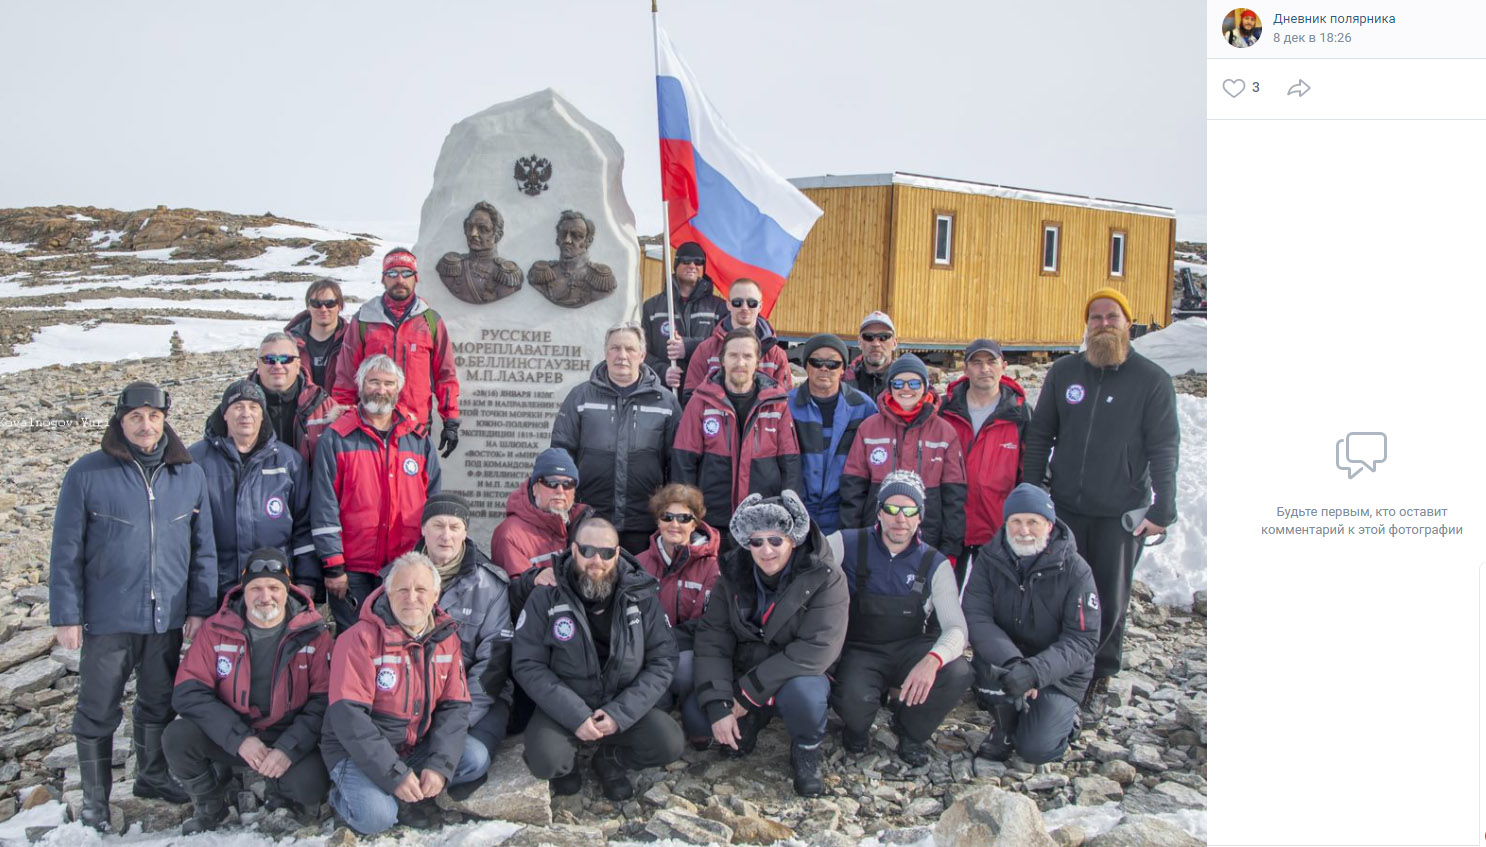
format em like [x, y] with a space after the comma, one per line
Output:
[480, 276]
[572, 280]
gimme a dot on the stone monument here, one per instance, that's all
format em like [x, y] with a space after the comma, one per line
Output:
[521, 348]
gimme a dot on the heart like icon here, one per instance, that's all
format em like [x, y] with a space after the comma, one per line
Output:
[1234, 87]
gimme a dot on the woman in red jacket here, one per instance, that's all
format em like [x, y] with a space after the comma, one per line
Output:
[683, 556]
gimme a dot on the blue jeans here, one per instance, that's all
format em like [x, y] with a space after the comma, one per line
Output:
[366, 808]
[801, 703]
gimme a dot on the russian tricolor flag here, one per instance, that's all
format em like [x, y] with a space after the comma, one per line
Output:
[748, 218]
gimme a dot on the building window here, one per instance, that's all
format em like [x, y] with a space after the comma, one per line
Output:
[944, 237]
[1052, 237]
[1117, 252]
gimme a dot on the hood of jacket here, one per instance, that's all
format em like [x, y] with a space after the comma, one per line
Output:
[520, 506]
[377, 608]
[929, 409]
[763, 329]
[473, 559]
[710, 540]
[300, 325]
[715, 390]
[299, 611]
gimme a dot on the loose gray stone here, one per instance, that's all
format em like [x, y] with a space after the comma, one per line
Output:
[1190, 797]
[32, 676]
[70, 659]
[1147, 756]
[1145, 831]
[23, 741]
[910, 835]
[1045, 782]
[923, 807]
[1071, 835]
[510, 793]
[1120, 771]
[26, 646]
[33, 594]
[831, 838]
[1097, 790]
[991, 817]
[1101, 750]
[689, 828]
[557, 836]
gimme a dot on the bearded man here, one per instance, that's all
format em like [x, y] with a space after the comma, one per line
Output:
[1111, 414]
[1247, 31]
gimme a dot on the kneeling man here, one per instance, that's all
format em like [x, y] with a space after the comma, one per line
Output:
[252, 691]
[1033, 613]
[595, 653]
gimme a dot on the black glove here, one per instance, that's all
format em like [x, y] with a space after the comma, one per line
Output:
[449, 438]
[1019, 680]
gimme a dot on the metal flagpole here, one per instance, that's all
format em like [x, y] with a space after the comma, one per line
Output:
[665, 206]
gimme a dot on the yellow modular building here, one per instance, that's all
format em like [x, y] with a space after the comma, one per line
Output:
[952, 261]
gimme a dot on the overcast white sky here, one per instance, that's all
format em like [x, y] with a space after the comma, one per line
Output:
[337, 110]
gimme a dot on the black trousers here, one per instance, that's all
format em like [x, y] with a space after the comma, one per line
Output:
[346, 611]
[191, 753]
[867, 671]
[551, 749]
[635, 542]
[1111, 552]
[107, 662]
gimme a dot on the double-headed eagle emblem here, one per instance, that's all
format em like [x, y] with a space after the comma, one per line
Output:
[532, 173]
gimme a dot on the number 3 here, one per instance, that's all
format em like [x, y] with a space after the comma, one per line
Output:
[1256, 86]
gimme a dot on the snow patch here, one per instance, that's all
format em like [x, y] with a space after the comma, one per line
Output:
[1093, 820]
[104, 239]
[1178, 566]
[1179, 348]
[313, 233]
[8, 247]
[70, 344]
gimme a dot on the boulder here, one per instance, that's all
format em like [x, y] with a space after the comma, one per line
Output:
[510, 793]
[688, 828]
[1146, 831]
[991, 817]
[32, 676]
[26, 646]
[557, 836]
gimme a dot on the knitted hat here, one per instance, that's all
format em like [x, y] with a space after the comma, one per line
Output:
[825, 339]
[244, 390]
[137, 394]
[447, 503]
[689, 250]
[908, 364]
[1112, 294]
[906, 483]
[554, 461]
[784, 514]
[400, 257]
[1028, 499]
[266, 562]
[877, 318]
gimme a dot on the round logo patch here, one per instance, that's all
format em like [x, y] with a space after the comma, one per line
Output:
[274, 507]
[410, 466]
[386, 679]
[879, 455]
[563, 629]
[1074, 395]
[665, 329]
[711, 426]
[224, 666]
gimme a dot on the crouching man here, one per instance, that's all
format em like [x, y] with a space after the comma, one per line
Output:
[251, 692]
[593, 650]
[399, 704]
[1033, 614]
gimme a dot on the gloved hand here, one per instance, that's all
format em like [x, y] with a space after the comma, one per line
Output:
[449, 438]
[1020, 679]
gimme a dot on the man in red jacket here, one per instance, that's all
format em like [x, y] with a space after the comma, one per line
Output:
[399, 704]
[401, 325]
[737, 436]
[744, 299]
[539, 515]
[252, 692]
[374, 470]
[989, 412]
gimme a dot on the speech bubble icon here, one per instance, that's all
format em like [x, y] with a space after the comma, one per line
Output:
[1368, 449]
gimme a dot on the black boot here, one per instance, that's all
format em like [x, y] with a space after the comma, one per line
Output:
[806, 763]
[151, 776]
[997, 747]
[913, 753]
[209, 802]
[1096, 700]
[748, 726]
[95, 761]
[613, 774]
[854, 742]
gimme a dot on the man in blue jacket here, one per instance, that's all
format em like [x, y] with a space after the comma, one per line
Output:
[826, 414]
[133, 571]
[259, 488]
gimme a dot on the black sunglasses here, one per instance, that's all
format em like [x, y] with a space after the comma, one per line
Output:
[589, 551]
[277, 358]
[915, 384]
[676, 517]
[773, 541]
[402, 272]
[877, 336]
[824, 364]
[740, 302]
[558, 482]
[265, 566]
[698, 262]
[324, 304]
[895, 510]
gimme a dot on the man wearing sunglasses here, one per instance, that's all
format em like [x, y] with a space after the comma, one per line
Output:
[827, 414]
[907, 433]
[298, 410]
[402, 326]
[879, 341]
[745, 299]
[897, 584]
[252, 692]
[1033, 614]
[373, 471]
[595, 653]
[319, 332]
[133, 572]
[1106, 439]
[698, 311]
[539, 515]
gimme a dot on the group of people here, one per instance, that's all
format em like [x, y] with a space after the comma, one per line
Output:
[748, 550]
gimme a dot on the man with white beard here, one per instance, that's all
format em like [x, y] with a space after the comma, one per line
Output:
[1111, 415]
[1034, 623]
[251, 692]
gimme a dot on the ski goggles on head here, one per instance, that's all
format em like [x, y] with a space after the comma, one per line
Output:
[265, 567]
[142, 395]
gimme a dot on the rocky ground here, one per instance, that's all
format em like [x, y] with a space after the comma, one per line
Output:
[1148, 758]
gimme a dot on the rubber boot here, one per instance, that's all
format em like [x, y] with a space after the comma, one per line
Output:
[613, 774]
[152, 777]
[95, 762]
[806, 764]
[208, 801]
[997, 747]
